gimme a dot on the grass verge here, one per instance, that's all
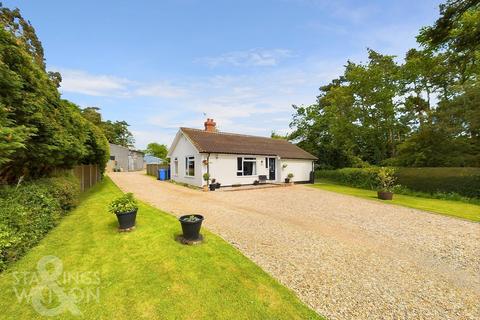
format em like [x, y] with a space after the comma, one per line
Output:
[457, 209]
[145, 274]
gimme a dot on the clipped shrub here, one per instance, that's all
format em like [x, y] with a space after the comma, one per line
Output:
[29, 211]
[442, 182]
[461, 181]
[365, 178]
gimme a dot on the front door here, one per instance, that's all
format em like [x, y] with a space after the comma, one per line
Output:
[271, 168]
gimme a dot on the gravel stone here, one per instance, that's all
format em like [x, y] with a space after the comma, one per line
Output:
[346, 257]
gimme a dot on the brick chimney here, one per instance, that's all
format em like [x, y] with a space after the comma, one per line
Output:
[210, 125]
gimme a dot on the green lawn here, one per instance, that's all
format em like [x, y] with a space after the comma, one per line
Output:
[145, 274]
[446, 207]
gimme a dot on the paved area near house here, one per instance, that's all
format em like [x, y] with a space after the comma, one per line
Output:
[346, 257]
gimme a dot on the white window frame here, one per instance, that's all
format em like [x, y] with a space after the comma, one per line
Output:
[188, 160]
[247, 159]
[175, 166]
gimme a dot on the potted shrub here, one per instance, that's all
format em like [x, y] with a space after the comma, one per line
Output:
[191, 225]
[386, 183]
[213, 185]
[206, 178]
[125, 207]
[289, 178]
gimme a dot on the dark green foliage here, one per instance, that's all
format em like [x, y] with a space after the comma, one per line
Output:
[29, 211]
[116, 132]
[38, 130]
[13, 21]
[365, 178]
[463, 181]
[98, 150]
[434, 181]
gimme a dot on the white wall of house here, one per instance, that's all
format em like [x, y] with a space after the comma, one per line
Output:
[300, 168]
[223, 167]
[180, 151]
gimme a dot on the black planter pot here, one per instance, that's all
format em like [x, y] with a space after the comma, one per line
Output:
[287, 180]
[191, 230]
[212, 186]
[385, 195]
[127, 220]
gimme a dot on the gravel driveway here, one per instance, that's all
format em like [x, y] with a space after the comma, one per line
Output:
[348, 258]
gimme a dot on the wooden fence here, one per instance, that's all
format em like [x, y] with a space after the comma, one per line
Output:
[152, 168]
[87, 174]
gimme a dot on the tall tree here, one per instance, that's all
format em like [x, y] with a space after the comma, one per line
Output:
[38, 130]
[158, 150]
[117, 133]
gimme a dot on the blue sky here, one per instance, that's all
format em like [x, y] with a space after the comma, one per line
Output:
[163, 64]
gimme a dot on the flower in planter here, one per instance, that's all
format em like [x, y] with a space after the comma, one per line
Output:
[123, 204]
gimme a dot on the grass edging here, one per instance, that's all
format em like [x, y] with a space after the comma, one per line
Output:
[458, 209]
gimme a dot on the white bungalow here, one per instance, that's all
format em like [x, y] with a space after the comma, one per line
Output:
[235, 159]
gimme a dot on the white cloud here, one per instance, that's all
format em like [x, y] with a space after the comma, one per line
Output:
[252, 57]
[79, 81]
[94, 85]
[142, 138]
[250, 103]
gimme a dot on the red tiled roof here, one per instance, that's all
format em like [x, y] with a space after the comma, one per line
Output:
[231, 143]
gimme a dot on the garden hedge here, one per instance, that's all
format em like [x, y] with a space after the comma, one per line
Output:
[462, 181]
[30, 210]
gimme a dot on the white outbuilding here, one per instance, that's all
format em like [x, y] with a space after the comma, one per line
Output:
[235, 159]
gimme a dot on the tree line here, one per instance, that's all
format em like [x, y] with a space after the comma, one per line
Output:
[40, 131]
[423, 111]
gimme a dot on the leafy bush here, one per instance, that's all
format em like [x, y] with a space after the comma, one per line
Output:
[29, 211]
[365, 178]
[439, 183]
[123, 204]
[206, 176]
[386, 179]
[462, 181]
